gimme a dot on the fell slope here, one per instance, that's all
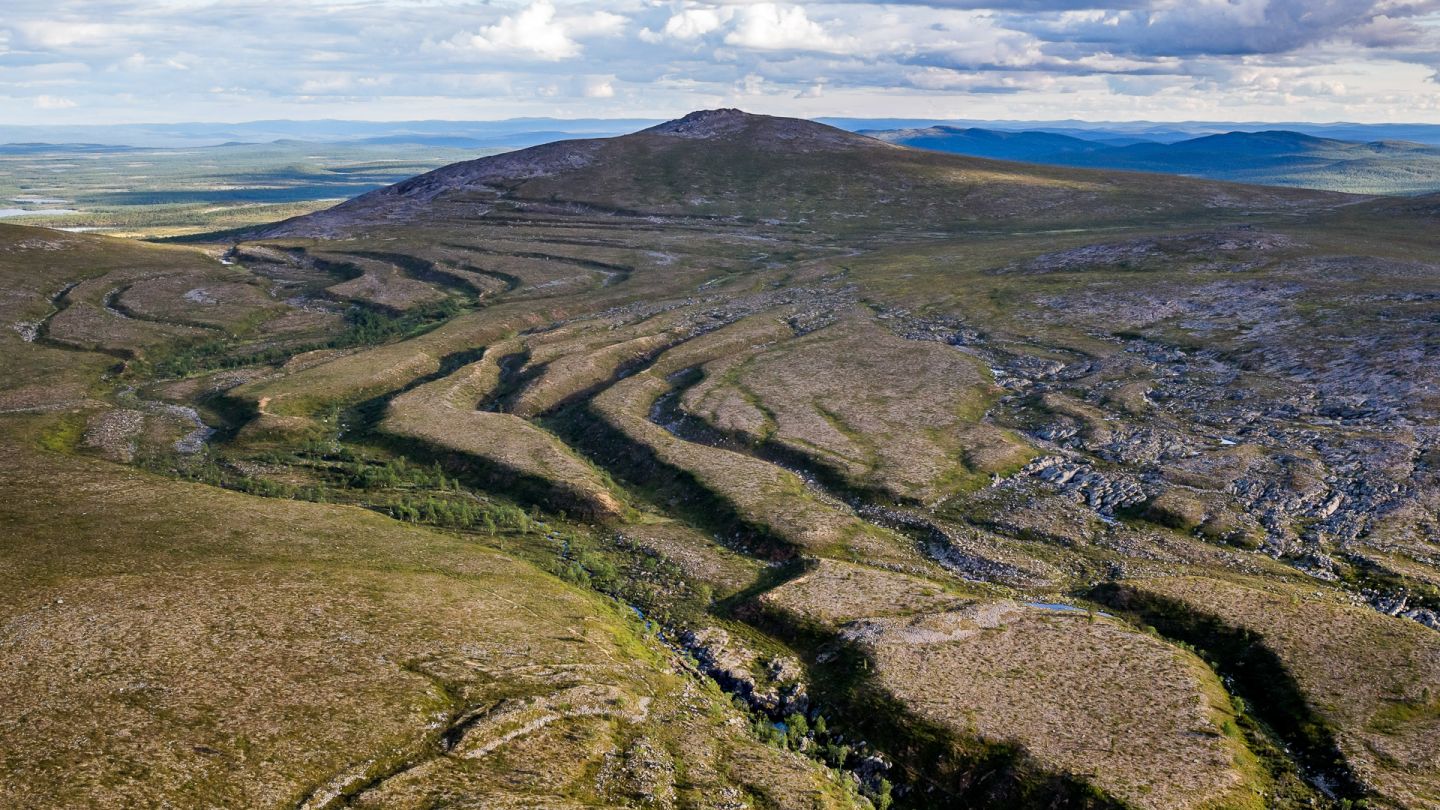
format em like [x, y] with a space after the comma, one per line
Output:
[165, 642]
[853, 421]
[732, 166]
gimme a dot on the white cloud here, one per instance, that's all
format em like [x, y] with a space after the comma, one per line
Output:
[598, 87]
[139, 61]
[60, 34]
[1325, 59]
[774, 27]
[341, 84]
[537, 32]
[690, 24]
[851, 30]
[596, 24]
[53, 103]
[532, 32]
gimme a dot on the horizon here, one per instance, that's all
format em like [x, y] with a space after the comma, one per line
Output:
[1095, 61]
[671, 117]
[518, 132]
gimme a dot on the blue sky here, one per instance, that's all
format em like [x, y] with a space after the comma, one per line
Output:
[115, 61]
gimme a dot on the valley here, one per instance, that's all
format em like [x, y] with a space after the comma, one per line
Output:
[136, 191]
[736, 462]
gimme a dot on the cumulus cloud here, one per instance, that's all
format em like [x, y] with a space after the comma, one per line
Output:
[537, 32]
[925, 34]
[1353, 59]
[770, 26]
[762, 26]
[688, 24]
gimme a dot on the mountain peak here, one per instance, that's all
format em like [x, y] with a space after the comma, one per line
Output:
[760, 131]
[703, 124]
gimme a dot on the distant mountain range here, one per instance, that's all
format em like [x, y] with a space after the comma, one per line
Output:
[515, 132]
[1166, 132]
[1362, 158]
[524, 131]
[1274, 157]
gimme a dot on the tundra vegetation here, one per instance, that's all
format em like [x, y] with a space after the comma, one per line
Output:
[738, 462]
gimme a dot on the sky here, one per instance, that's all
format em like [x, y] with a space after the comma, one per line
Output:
[132, 61]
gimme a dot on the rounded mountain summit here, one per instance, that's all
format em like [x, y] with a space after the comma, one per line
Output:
[731, 166]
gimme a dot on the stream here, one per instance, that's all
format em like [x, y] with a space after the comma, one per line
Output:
[189, 444]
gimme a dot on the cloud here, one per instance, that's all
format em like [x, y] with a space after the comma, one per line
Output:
[536, 32]
[54, 34]
[751, 85]
[851, 31]
[1025, 5]
[598, 87]
[757, 26]
[1137, 85]
[815, 90]
[983, 82]
[773, 27]
[44, 74]
[1384, 31]
[532, 31]
[53, 103]
[689, 24]
[138, 61]
[1350, 59]
[342, 84]
[1234, 27]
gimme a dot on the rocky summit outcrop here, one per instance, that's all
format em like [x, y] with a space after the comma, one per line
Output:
[763, 132]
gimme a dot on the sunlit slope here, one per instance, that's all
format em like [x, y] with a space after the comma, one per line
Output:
[885, 459]
[165, 643]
